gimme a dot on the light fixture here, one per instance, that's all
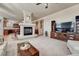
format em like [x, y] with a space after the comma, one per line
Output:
[45, 4]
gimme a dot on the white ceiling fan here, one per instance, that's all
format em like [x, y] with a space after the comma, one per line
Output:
[45, 4]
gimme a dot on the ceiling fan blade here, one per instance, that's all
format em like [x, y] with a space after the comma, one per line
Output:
[38, 3]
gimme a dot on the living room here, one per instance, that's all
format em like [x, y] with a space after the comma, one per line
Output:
[24, 27]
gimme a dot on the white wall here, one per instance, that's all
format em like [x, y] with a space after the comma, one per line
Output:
[65, 15]
[1, 26]
[47, 25]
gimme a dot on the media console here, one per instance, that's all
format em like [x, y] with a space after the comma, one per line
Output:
[64, 36]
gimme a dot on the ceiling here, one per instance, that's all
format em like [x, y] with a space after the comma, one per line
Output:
[14, 10]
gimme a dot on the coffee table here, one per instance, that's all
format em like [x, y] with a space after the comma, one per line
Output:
[32, 51]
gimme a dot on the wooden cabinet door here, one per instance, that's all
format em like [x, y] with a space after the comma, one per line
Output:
[77, 37]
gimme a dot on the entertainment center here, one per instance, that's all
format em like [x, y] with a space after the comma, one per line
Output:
[65, 31]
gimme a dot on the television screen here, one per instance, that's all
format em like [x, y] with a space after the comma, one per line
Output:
[58, 27]
[65, 27]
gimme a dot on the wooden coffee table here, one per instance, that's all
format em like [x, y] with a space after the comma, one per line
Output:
[32, 51]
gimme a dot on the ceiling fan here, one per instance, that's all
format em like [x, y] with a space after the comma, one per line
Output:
[45, 4]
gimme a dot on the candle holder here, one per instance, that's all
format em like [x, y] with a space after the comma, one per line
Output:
[25, 45]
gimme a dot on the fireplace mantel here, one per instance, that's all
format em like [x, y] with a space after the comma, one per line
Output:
[26, 24]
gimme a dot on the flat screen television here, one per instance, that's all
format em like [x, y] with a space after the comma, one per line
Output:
[65, 27]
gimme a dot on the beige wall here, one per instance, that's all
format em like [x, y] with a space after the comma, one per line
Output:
[38, 26]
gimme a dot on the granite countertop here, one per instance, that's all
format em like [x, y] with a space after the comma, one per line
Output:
[10, 28]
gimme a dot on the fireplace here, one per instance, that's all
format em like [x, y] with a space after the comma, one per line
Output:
[28, 30]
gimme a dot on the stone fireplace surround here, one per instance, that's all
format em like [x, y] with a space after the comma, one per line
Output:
[22, 25]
